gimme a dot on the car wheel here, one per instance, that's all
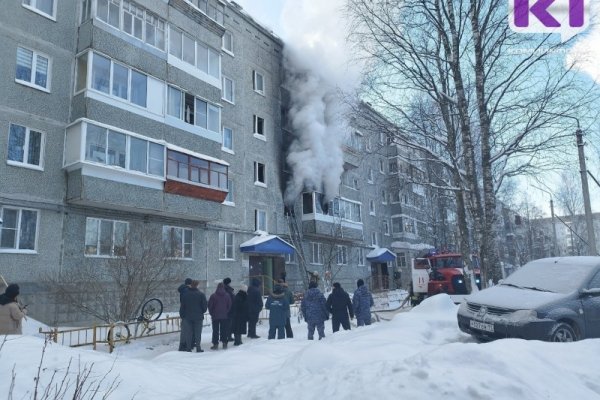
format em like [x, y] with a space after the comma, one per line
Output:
[563, 332]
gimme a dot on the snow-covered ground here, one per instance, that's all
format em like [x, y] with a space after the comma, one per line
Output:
[419, 354]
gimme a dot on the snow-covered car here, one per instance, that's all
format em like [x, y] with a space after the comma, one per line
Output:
[554, 299]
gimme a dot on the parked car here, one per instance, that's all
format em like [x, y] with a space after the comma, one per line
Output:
[554, 299]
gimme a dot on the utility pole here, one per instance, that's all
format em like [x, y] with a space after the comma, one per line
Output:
[554, 239]
[586, 194]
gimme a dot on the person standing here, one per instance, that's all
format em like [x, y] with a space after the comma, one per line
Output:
[239, 315]
[362, 303]
[255, 305]
[340, 307]
[219, 305]
[193, 307]
[182, 289]
[314, 309]
[11, 313]
[290, 298]
[279, 310]
[231, 293]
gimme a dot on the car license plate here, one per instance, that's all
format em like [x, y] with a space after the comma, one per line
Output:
[482, 326]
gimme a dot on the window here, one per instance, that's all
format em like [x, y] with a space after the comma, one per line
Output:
[108, 147]
[155, 31]
[133, 19]
[228, 90]
[193, 110]
[386, 227]
[25, 146]
[227, 42]
[401, 259]
[383, 197]
[43, 6]
[397, 226]
[104, 237]
[370, 176]
[196, 170]
[381, 167]
[259, 125]
[177, 242]
[228, 138]
[216, 11]
[361, 256]
[198, 54]
[226, 246]
[19, 229]
[373, 238]
[32, 68]
[108, 11]
[258, 83]
[123, 83]
[395, 196]
[229, 198]
[290, 258]
[393, 166]
[341, 255]
[409, 225]
[317, 253]
[260, 220]
[371, 207]
[259, 173]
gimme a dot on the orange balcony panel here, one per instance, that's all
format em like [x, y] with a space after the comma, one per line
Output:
[198, 192]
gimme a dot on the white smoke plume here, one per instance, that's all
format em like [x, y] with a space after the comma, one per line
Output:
[319, 72]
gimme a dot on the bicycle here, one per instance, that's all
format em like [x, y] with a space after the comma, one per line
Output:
[149, 312]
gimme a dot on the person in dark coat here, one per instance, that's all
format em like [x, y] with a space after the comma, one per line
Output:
[279, 310]
[314, 309]
[340, 306]
[219, 304]
[239, 315]
[362, 301]
[255, 305]
[193, 307]
[290, 298]
[182, 289]
[231, 293]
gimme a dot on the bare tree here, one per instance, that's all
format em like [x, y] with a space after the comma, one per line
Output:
[568, 196]
[502, 97]
[114, 288]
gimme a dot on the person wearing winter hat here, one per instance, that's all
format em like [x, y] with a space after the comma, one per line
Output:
[290, 298]
[11, 314]
[219, 304]
[255, 305]
[314, 309]
[279, 310]
[240, 315]
[362, 301]
[339, 305]
[230, 292]
[184, 287]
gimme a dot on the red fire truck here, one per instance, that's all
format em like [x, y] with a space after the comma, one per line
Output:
[437, 272]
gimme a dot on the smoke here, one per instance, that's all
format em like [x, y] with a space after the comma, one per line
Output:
[319, 75]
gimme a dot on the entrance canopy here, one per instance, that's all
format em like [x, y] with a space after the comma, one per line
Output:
[380, 255]
[267, 244]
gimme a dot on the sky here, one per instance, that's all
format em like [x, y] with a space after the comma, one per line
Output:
[419, 354]
[303, 23]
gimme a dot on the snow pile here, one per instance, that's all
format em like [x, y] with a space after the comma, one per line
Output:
[419, 354]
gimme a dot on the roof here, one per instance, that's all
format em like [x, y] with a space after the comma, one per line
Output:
[267, 244]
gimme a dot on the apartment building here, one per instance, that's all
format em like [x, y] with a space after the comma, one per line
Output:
[158, 124]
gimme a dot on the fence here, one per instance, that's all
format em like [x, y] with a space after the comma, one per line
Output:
[99, 334]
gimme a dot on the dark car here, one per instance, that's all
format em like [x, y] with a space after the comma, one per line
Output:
[553, 299]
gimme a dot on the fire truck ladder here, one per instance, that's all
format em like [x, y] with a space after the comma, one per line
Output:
[296, 239]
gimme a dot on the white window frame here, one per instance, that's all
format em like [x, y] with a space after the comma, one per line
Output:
[373, 238]
[224, 90]
[226, 246]
[18, 230]
[33, 7]
[371, 207]
[24, 163]
[361, 256]
[260, 89]
[114, 223]
[384, 199]
[370, 175]
[34, 61]
[290, 258]
[229, 199]
[224, 43]
[386, 227]
[401, 259]
[223, 147]
[381, 166]
[341, 255]
[255, 126]
[316, 253]
[260, 221]
[189, 244]
[257, 167]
